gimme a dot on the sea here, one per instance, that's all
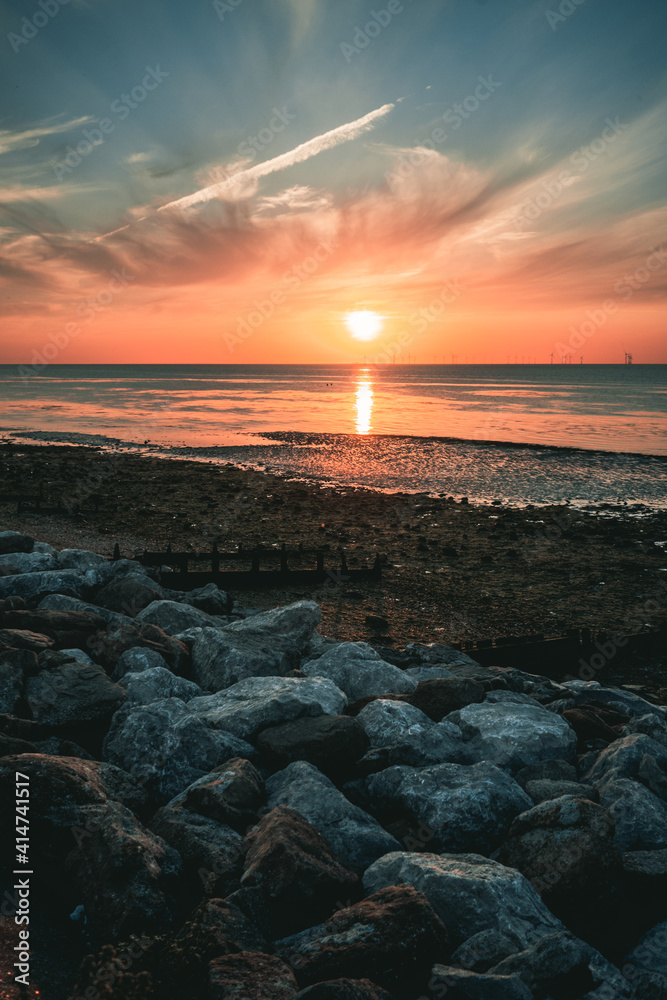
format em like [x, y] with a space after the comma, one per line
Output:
[521, 434]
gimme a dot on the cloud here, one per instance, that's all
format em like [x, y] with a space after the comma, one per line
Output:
[328, 140]
[11, 141]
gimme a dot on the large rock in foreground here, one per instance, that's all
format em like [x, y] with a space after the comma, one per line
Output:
[355, 837]
[393, 936]
[514, 734]
[166, 747]
[330, 742]
[469, 893]
[359, 671]
[73, 694]
[465, 808]
[258, 702]
[266, 644]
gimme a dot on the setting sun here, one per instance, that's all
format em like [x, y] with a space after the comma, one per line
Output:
[364, 324]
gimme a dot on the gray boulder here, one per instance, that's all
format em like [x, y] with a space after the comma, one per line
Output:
[174, 617]
[137, 659]
[469, 893]
[468, 985]
[514, 734]
[427, 673]
[409, 736]
[49, 582]
[11, 682]
[650, 952]
[640, 817]
[167, 748]
[74, 693]
[129, 593]
[544, 789]
[353, 835]
[358, 670]
[467, 808]
[81, 560]
[211, 851]
[257, 702]
[267, 644]
[437, 654]
[28, 562]
[62, 602]
[210, 599]
[230, 794]
[623, 758]
[616, 698]
[156, 684]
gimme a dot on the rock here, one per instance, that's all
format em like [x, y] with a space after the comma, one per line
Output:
[294, 866]
[566, 848]
[210, 599]
[174, 617]
[250, 975]
[66, 627]
[48, 582]
[136, 659]
[623, 758]
[414, 739]
[437, 698]
[466, 808]
[210, 851]
[14, 638]
[427, 673]
[546, 770]
[514, 735]
[108, 646]
[483, 950]
[267, 644]
[61, 602]
[230, 794]
[393, 936]
[590, 724]
[80, 559]
[562, 965]
[544, 789]
[73, 694]
[11, 745]
[344, 989]
[60, 788]
[640, 817]
[216, 928]
[355, 837]
[129, 594]
[258, 702]
[476, 985]
[156, 684]
[330, 742]
[469, 893]
[14, 541]
[648, 724]
[11, 685]
[436, 653]
[650, 952]
[27, 562]
[124, 873]
[166, 747]
[358, 670]
[616, 698]
[652, 777]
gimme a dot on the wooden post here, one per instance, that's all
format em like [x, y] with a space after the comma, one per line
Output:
[116, 552]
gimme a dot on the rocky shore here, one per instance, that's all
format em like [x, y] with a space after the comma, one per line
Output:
[226, 803]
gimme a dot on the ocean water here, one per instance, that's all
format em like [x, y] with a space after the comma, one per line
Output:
[518, 433]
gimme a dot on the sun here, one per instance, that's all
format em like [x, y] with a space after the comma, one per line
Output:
[364, 324]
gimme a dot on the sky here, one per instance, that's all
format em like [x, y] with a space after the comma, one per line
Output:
[228, 181]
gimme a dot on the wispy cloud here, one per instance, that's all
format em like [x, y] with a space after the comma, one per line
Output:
[11, 140]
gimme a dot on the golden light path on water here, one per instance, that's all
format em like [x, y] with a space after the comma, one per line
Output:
[364, 403]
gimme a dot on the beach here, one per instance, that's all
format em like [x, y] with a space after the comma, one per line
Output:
[451, 571]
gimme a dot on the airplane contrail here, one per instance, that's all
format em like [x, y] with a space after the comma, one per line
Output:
[320, 143]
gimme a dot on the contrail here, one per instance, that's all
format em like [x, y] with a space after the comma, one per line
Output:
[336, 136]
[303, 152]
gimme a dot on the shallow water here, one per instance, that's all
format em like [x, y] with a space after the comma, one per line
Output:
[590, 434]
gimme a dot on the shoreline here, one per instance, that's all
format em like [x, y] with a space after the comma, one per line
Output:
[452, 571]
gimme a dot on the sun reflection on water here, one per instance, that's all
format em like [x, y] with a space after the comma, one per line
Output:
[364, 404]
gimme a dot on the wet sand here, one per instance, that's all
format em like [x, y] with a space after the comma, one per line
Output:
[451, 571]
